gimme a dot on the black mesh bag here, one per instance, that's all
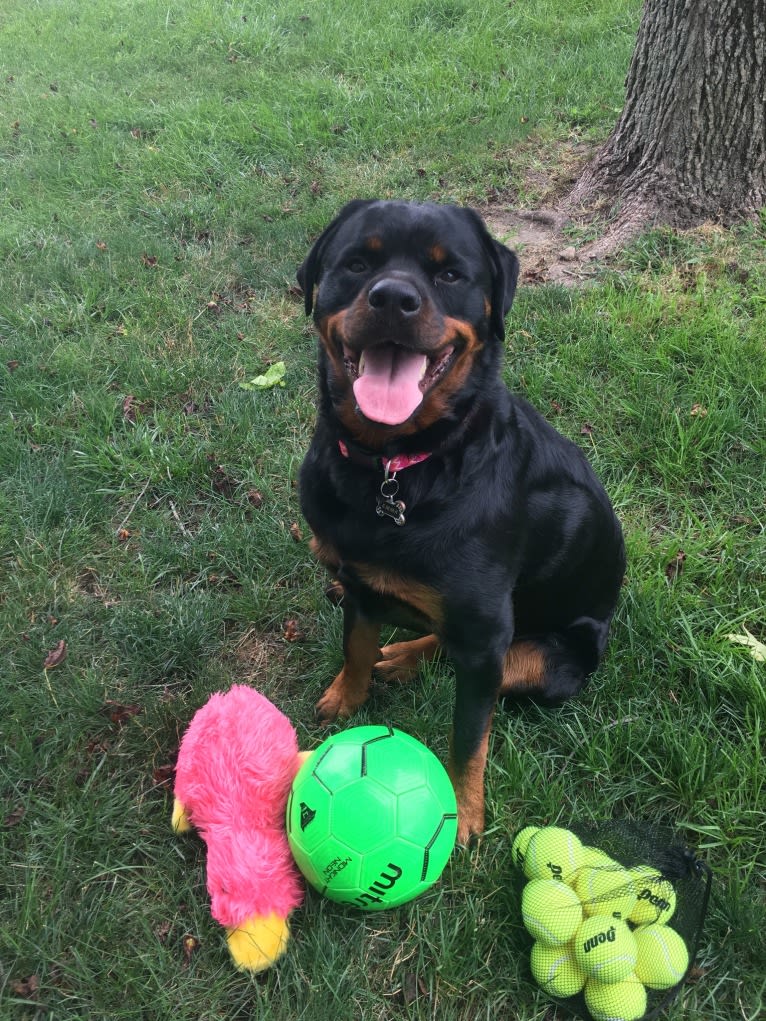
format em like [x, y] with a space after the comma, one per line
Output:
[641, 883]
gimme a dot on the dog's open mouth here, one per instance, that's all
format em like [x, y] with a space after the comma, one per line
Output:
[390, 381]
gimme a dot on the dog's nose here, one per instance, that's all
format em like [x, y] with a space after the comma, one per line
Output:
[397, 297]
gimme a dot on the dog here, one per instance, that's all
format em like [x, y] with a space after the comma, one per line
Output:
[439, 501]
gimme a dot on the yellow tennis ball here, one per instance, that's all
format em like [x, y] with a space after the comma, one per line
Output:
[595, 858]
[662, 956]
[552, 853]
[551, 911]
[520, 844]
[616, 1001]
[606, 890]
[655, 896]
[605, 948]
[556, 971]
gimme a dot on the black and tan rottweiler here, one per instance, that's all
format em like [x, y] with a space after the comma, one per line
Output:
[440, 502]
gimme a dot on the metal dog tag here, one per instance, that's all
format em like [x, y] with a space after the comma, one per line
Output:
[387, 506]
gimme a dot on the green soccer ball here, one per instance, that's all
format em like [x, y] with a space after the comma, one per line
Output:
[372, 818]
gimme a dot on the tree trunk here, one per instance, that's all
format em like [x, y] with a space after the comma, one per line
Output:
[690, 144]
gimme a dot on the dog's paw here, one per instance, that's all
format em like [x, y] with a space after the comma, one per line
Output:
[400, 662]
[398, 665]
[468, 830]
[340, 700]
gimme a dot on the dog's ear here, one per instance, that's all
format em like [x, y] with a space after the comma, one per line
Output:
[504, 288]
[310, 269]
[505, 274]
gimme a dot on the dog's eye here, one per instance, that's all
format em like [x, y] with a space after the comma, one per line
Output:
[447, 276]
[356, 265]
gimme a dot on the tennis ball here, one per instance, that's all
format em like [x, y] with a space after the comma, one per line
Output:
[605, 948]
[556, 971]
[606, 890]
[520, 844]
[595, 858]
[552, 853]
[616, 1001]
[551, 911]
[662, 956]
[655, 896]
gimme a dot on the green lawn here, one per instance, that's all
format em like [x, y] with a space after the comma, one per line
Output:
[163, 170]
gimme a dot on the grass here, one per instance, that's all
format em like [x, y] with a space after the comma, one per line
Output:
[164, 169]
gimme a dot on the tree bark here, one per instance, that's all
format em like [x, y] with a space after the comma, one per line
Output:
[690, 144]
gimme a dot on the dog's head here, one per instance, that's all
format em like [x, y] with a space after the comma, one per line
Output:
[410, 301]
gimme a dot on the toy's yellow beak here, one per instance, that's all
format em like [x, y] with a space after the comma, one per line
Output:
[258, 942]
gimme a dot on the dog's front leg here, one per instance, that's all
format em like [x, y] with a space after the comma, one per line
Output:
[478, 681]
[361, 650]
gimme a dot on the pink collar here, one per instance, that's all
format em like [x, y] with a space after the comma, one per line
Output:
[388, 464]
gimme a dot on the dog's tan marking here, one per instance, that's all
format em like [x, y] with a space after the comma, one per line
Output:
[351, 687]
[423, 598]
[325, 553]
[524, 668]
[468, 782]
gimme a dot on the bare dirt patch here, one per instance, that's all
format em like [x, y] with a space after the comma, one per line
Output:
[547, 253]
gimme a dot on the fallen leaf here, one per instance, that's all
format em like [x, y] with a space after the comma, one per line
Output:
[12, 365]
[149, 260]
[291, 632]
[698, 411]
[586, 429]
[26, 988]
[676, 566]
[255, 498]
[129, 408]
[163, 775]
[56, 656]
[101, 246]
[273, 376]
[223, 483]
[757, 649]
[295, 531]
[14, 817]
[119, 714]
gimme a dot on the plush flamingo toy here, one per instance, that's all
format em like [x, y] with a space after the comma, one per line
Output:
[236, 764]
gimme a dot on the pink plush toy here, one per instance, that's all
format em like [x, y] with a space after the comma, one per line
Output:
[235, 766]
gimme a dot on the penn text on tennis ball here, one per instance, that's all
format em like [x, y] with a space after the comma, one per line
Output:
[556, 971]
[605, 948]
[616, 1001]
[655, 896]
[551, 911]
[606, 890]
[520, 844]
[552, 853]
[662, 956]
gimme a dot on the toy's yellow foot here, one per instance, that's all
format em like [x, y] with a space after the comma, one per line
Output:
[180, 820]
[258, 942]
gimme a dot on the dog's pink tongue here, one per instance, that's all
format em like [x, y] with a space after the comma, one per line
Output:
[388, 390]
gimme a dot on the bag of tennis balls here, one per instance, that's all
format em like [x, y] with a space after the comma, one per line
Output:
[622, 946]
